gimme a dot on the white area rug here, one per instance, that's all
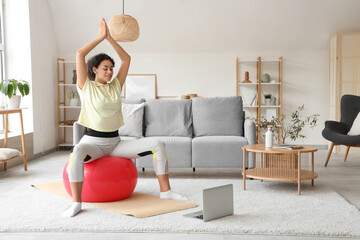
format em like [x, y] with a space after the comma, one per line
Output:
[265, 208]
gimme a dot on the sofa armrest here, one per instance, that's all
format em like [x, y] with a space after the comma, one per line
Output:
[250, 131]
[250, 135]
[78, 132]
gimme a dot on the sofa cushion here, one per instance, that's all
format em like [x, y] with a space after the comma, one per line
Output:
[217, 116]
[133, 101]
[168, 118]
[218, 151]
[133, 120]
[178, 150]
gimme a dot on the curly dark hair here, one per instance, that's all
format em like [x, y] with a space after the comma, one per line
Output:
[95, 61]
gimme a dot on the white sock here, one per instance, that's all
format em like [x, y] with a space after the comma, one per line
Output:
[173, 196]
[73, 210]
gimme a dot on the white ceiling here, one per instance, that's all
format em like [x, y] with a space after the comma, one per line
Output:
[210, 25]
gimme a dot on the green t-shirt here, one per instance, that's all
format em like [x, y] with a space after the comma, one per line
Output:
[101, 106]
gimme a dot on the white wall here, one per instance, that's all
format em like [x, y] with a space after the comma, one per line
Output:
[18, 56]
[43, 57]
[192, 45]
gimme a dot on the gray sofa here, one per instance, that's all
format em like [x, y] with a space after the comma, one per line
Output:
[198, 133]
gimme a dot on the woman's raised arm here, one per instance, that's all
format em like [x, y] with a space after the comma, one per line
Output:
[81, 70]
[125, 58]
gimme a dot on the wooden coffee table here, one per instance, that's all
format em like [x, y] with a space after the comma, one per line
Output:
[279, 164]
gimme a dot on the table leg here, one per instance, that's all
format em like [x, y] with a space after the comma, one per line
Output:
[244, 171]
[23, 141]
[299, 171]
[312, 167]
[6, 137]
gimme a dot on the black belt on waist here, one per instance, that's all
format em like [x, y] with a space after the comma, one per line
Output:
[94, 133]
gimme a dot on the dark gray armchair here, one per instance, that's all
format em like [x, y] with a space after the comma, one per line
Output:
[336, 132]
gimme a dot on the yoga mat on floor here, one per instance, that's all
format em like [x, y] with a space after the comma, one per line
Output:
[139, 205]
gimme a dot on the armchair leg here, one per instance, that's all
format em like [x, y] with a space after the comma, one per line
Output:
[346, 153]
[329, 154]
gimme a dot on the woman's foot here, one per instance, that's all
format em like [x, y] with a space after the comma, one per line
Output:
[173, 196]
[73, 210]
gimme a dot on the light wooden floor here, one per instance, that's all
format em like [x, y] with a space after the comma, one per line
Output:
[343, 177]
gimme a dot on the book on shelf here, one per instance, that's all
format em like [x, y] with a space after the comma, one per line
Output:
[290, 147]
[253, 102]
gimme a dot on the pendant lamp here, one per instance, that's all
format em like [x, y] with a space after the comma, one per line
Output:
[123, 28]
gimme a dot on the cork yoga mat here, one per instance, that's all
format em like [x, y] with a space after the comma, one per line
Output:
[139, 205]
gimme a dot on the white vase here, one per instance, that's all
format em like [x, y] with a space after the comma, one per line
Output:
[14, 101]
[269, 138]
[74, 102]
[267, 101]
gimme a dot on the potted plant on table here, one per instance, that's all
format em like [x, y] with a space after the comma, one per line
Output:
[290, 129]
[9, 88]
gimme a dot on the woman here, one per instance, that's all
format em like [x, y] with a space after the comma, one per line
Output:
[101, 114]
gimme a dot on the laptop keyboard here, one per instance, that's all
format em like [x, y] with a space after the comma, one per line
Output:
[200, 216]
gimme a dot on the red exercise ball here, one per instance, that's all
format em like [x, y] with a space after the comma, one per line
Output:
[106, 179]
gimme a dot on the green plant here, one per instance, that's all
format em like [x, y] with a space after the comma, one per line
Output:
[73, 94]
[290, 129]
[10, 87]
[267, 95]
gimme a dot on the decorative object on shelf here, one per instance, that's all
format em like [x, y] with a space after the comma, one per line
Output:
[10, 87]
[124, 28]
[192, 95]
[246, 78]
[269, 138]
[183, 97]
[291, 129]
[74, 98]
[267, 99]
[74, 77]
[189, 96]
[265, 78]
[69, 122]
[273, 100]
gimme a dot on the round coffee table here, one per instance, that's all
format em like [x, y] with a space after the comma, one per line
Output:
[279, 164]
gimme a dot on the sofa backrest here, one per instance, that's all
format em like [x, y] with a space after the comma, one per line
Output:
[217, 116]
[168, 118]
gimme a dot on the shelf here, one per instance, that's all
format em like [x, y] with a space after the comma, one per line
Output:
[254, 61]
[63, 125]
[65, 145]
[250, 84]
[67, 84]
[271, 83]
[280, 174]
[71, 62]
[247, 60]
[69, 106]
[275, 87]
[270, 106]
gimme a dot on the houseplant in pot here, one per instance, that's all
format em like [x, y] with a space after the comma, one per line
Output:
[10, 88]
[290, 129]
[267, 99]
[74, 98]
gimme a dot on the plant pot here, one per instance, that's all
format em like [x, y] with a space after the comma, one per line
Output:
[14, 101]
[267, 101]
[74, 102]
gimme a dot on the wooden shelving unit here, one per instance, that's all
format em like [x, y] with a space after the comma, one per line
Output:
[256, 86]
[64, 124]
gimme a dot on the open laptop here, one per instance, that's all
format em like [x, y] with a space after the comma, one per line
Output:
[217, 202]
